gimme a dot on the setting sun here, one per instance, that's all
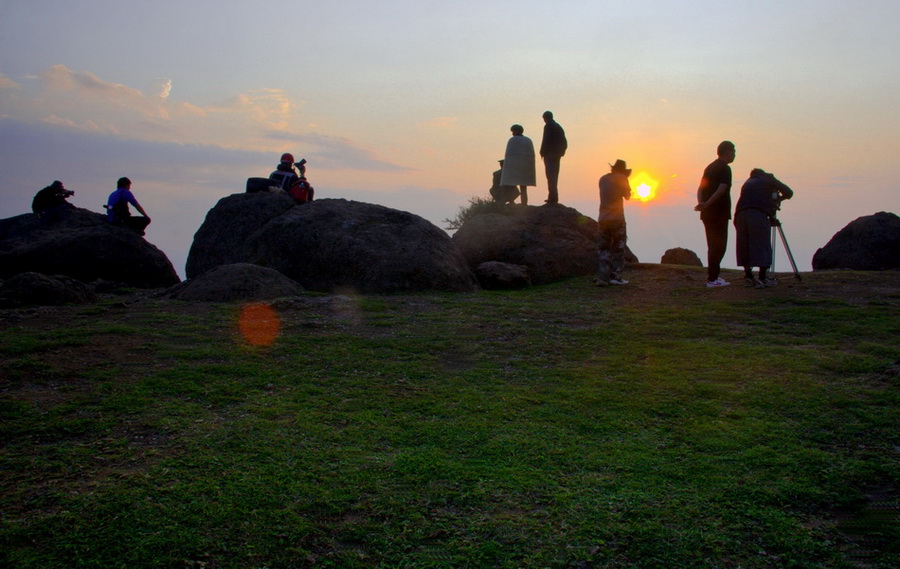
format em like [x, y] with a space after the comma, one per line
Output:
[644, 186]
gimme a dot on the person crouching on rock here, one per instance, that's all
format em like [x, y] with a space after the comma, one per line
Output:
[50, 204]
[286, 178]
[117, 211]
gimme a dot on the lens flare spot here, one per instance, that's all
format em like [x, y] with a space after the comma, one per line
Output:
[259, 324]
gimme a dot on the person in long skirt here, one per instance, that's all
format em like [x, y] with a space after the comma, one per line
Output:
[753, 215]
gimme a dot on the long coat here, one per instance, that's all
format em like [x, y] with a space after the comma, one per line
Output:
[518, 163]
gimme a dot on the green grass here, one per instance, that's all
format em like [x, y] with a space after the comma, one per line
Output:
[559, 426]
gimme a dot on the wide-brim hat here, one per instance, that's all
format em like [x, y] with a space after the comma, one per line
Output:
[621, 167]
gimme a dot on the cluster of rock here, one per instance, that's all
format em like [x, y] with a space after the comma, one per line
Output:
[261, 246]
[553, 242]
[50, 263]
[330, 245]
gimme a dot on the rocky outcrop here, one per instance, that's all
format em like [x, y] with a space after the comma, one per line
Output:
[330, 245]
[553, 241]
[39, 289]
[869, 243]
[681, 256]
[494, 275]
[82, 245]
[236, 282]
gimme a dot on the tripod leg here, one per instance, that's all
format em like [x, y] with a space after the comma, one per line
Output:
[787, 249]
[772, 267]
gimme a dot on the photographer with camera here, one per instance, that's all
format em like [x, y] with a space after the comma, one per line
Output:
[286, 178]
[50, 203]
[754, 217]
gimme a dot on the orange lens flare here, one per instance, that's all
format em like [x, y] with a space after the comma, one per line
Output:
[259, 324]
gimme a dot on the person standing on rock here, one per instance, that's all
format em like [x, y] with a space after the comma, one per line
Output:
[714, 205]
[614, 188]
[518, 163]
[553, 148]
[117, 211]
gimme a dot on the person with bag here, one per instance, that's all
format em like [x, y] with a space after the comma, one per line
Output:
[286, 178]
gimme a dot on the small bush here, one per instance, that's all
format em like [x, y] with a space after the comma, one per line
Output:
[476, 206]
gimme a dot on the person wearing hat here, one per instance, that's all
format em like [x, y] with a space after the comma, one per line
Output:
[553, 148]
[518, 163]
[714, 205]
[50, 203]
[501, 193]
[614, 188]
[286, 178]
[284, 175]
[117, 211]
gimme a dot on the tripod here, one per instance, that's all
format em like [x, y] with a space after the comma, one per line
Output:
[776, 227]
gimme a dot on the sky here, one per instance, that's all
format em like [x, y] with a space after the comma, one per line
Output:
[408, 104]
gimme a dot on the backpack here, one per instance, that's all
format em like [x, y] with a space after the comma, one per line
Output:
[301, 191]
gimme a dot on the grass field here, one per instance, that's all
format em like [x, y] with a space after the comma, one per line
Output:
[655, 425]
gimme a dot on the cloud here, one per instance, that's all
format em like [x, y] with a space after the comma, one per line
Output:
[7, 83]
[260, 120]
[332, 152]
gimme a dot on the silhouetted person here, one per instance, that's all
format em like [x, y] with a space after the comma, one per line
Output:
[50, 203]
[753, 216]
[518, 163]
[286, 178]
[500, 193]
[117, 211]
[714, 205]
[553, 148]
[614, 188]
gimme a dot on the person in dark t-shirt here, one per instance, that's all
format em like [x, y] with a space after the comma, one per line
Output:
[714, 205]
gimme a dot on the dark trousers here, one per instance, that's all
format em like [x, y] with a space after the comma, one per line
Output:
[551, 167]
[137, 224]
[611, 255]
[716, 243]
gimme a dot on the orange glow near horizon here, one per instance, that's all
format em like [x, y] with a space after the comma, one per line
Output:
[644, 186]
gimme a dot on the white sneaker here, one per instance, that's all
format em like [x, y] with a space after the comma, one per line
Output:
[717, 283]
[618, 281]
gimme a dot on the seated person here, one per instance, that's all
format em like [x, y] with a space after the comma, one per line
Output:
[117, 211]
[502, 194]
[50, 203]
[286, 178]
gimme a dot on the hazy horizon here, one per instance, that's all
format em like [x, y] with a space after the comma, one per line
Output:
[409, 105]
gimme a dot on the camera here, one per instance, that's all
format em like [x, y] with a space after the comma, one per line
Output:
[67, 193]
[301, 165]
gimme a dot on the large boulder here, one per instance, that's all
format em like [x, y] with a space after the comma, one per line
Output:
[869, 243]
[39, 289]
[494, 275]
[236, 282]
[330, 245]
[82, 245]
[554, 241]
[681, 256]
